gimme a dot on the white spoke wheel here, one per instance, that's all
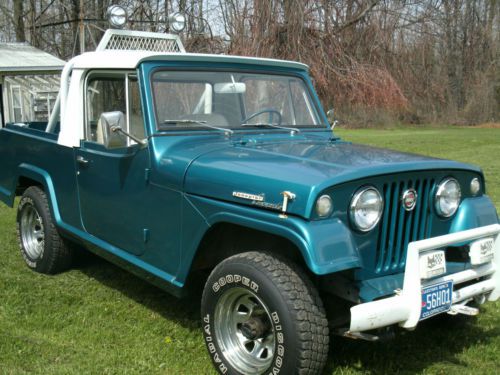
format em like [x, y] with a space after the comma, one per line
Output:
[39, 241]
[244, 331]
[263, 315]
[32, 232]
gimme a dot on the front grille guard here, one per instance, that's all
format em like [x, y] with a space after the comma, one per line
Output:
[404, 308]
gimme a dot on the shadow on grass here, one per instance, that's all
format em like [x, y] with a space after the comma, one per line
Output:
[185, 311]
[437, 340]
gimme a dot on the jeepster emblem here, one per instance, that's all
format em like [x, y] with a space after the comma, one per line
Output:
[251, 197]
[409, 199]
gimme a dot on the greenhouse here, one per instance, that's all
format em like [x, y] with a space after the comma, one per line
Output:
[29, 83]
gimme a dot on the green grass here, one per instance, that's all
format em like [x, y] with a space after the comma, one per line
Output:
[98, 319]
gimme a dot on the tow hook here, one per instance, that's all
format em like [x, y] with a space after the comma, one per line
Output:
[384, 334]
[462, 309]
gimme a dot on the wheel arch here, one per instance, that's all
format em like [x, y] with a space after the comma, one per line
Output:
[320, 248]
[30, 175]
[226, 238]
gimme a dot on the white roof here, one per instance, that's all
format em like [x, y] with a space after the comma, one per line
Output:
[115, 59]
[21, 57]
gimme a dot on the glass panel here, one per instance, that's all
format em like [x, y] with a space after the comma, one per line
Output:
[229, 99]
[268, 95]
[176, 99]
[17, 104]
[104, 94]
[136, 120]
[301, 104]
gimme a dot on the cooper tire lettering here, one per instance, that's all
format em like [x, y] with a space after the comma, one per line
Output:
[254, 287]
[234, 279]
[207, 329]
[216, 287]
[268, 280]
[245, 281]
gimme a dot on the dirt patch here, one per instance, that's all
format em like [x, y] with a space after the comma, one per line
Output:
[489, 125]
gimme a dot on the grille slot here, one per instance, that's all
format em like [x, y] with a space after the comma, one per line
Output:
[399, 227]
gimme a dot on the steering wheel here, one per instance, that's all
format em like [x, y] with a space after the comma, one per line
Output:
[271, 112]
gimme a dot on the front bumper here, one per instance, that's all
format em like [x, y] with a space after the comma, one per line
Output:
[404, 308]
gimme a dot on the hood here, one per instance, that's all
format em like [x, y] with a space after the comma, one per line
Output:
[303, 167]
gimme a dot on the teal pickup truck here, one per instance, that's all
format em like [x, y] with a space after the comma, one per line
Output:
[186, 167]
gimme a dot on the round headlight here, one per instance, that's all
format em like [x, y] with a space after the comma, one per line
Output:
[117, 16]
[475, 186]
[448, 197]
[177, 22]
[366, 208]
[324, 206]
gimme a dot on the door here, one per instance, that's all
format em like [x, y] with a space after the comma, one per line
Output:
[112, 179]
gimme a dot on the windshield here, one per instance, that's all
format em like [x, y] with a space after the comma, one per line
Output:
[231, 100]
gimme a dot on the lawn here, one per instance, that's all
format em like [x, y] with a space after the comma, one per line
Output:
[98, 319]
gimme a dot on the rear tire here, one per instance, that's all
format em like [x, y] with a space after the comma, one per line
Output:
[41, 246]
[262, 315]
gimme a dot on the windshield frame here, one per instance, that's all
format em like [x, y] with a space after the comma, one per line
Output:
[306, 83]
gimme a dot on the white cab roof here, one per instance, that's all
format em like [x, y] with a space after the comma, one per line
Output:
[113, 59]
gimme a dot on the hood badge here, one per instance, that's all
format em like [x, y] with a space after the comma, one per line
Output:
[258, 200]
[250, 197]
[409, 199]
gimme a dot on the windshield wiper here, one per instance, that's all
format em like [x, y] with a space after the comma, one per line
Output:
[263, 124]
[203, 123]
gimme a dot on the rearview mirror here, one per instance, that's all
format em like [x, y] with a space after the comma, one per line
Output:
[230, 88]
[106, 133]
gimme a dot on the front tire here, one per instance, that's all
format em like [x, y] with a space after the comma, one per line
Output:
[41, 246]
[261, 315]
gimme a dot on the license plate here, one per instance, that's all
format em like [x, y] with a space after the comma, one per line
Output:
[436, 299]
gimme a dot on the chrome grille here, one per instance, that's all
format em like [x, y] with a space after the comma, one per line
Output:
[398, 227]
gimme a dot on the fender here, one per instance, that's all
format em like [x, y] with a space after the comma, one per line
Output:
[326, 245]
[474, 213]
[43, 177]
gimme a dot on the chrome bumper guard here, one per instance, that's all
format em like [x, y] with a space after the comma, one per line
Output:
[404, 308]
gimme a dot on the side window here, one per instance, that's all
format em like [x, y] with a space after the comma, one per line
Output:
[135, 117]
[17, 104]
[111, 93]
[304, 111]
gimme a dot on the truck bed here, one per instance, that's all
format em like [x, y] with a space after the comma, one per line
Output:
[28, 154]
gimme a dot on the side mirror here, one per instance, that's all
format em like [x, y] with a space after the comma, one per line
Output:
[330, 114]
[106, 130]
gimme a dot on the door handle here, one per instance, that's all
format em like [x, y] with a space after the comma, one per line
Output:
[81, 160]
